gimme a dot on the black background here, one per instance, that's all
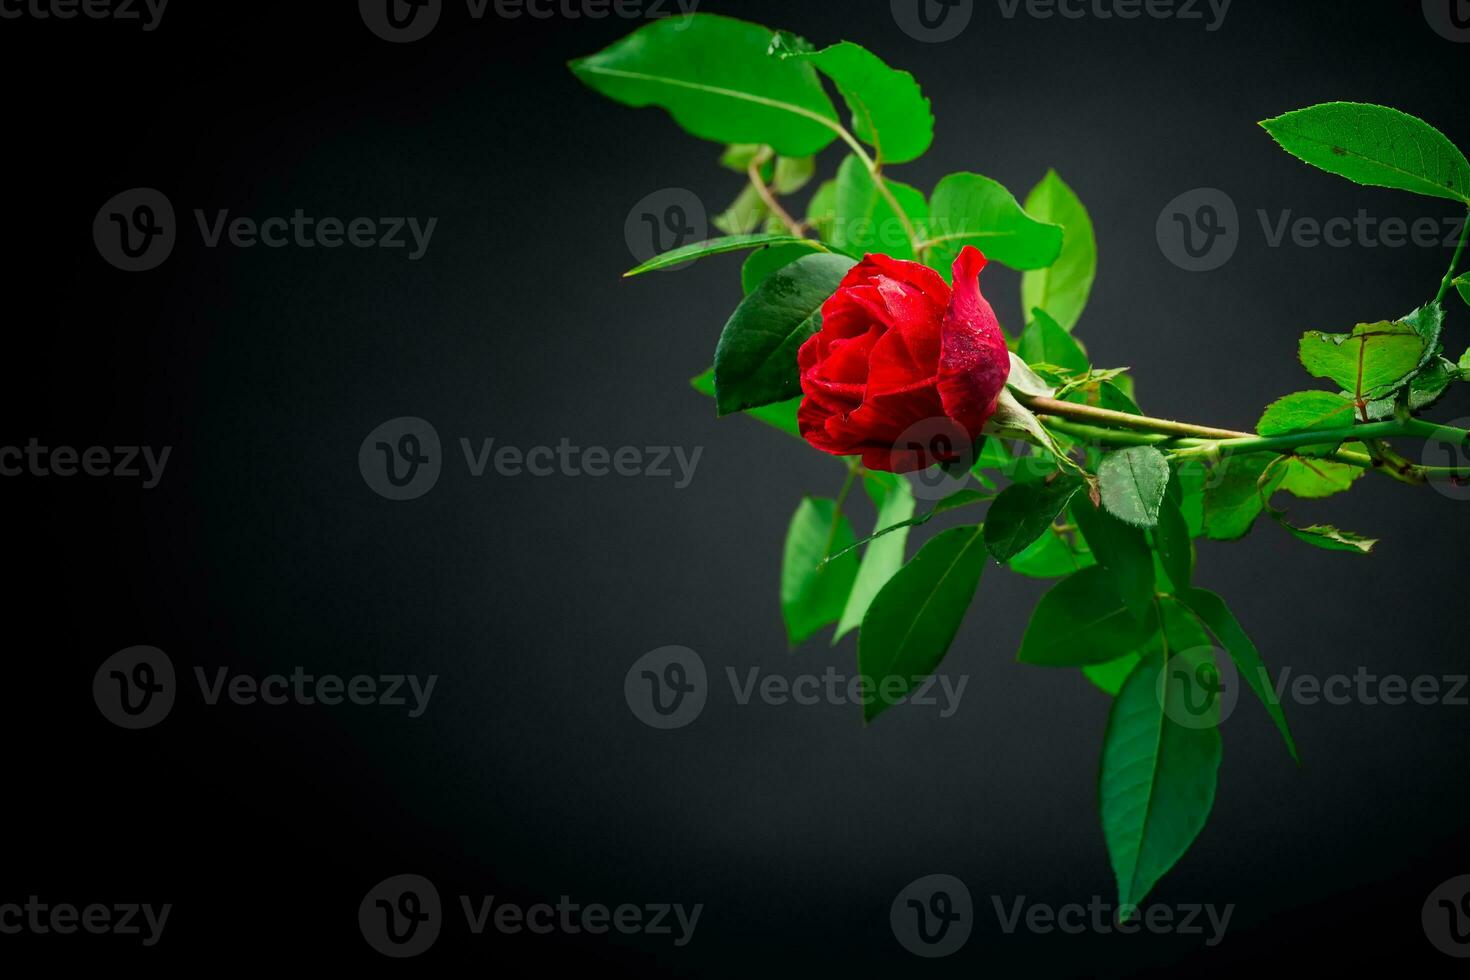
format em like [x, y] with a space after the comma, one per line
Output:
[528, 777]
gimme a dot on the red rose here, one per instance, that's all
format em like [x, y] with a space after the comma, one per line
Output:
[904, 371]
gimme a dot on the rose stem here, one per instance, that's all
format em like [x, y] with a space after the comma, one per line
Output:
[1448, 280]
[768, 198]
[1186, 440]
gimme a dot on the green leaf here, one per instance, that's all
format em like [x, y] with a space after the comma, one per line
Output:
[993, 455]
[1126, 383]
[1462, 283]
[864, 221]
[1101, 394]
[1220, 621]
[1117, 395]
[1180, 630]
[889, 112]
[1374, 145]
[1373, 356]
[1045, 342]
[821, 210]
[744, 215]
[1428, 323]
[718, 246]
[1313, 479]
[1329, 538]
[956, 500]
[1234, 497]
[812, 597]
[1426, 387]
[755, 361]
[1012, 419]
[738, 157]
[1174, 544]
[1326, 537]
[1157, 783]
[1109, 677]
[1025, 511]
[793, 173]
[714, 75]
[1304, 411]
[968, 209]
[1082, 621]
[1190, 478]
[759, 265]
[1431, 376]
[914, 619]
[1027, 381]
[780, 415]
[1050, 556]
[1132, 483]
[894, 500]
[1097, 375]
[1061, 288]
[1122, 551]
[1183, 632]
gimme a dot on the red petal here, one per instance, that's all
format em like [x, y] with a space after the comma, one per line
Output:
[847, 360]
[914, 273]
[974, 361]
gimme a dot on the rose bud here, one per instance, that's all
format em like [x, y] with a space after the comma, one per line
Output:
[900, 353]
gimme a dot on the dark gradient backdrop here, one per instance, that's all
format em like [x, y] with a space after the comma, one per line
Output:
[528, 777]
